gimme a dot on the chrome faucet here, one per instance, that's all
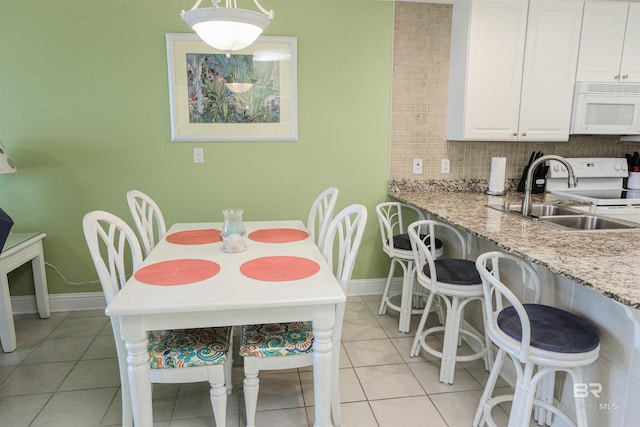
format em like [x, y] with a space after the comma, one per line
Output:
[572, 180]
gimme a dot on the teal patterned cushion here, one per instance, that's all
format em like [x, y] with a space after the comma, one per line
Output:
[184, 348]
[276, 339]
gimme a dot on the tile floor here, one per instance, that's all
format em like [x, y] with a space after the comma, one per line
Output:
[64, 372]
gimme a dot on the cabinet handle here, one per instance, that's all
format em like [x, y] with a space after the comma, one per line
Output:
[617, 77]
[524, 134]
[626, 76]
[514, 134]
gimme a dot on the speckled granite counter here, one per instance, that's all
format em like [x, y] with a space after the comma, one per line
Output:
[608, 262]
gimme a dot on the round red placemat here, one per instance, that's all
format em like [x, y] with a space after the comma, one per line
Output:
[194, 237]
[279, 268]
[177, 272]
[278, 235]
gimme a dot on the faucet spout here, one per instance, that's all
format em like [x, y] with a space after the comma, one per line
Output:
[572, 180]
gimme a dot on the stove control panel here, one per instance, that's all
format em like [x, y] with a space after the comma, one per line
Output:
[590, 167]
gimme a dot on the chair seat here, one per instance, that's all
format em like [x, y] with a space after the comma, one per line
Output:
[552, 329]
[455, 271]
[276, 339]
[402, 241]
[184, 348]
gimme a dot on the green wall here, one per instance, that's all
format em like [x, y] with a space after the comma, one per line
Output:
[84, 114]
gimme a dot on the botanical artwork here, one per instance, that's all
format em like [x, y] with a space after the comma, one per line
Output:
[234, 89]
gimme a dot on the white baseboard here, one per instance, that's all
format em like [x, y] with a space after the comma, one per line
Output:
[61, 302]
[79, 301]
[363, 287]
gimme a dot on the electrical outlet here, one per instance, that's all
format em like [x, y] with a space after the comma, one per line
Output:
[198, 155]
[445, 166]
[417, 166]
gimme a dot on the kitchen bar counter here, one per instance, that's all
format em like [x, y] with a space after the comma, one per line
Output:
[606, 261]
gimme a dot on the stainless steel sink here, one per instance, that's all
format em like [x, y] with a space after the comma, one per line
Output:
[587, 223]
[538, 211]
[568, 219]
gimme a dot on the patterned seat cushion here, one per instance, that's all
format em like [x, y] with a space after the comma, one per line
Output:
[276, 339]
[552, 329]
[184, 348]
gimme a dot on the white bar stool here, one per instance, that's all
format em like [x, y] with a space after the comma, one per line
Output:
[540, 340]
[396, 244]
[456, 283]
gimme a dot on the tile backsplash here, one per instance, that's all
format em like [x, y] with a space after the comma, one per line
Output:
[422, 33]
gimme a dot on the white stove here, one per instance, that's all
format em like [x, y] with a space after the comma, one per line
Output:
[600, 183]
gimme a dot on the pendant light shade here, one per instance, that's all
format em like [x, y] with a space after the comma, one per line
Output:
[227, 28]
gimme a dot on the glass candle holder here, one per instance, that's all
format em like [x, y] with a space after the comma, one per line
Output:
[233, 231]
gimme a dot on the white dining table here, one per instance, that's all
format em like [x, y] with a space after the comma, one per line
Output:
[229, 297]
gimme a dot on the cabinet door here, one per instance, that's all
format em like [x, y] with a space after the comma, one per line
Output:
[603, 30]
[496, 48]
[630, 66]
[551, 56]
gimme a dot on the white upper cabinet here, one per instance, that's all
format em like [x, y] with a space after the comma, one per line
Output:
[610, 43]
[512, 69]
[630, 64]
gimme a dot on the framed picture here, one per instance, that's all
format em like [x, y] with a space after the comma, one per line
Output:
[248, 95]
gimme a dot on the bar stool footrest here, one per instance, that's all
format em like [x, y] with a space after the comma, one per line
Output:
[458, 358]
[487, 419]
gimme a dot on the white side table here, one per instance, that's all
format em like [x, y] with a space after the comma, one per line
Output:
[19, 249]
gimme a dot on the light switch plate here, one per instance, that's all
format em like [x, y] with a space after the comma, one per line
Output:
[198, 155]
[445, 166]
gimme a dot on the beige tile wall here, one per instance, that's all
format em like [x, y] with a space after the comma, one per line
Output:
[419, 108]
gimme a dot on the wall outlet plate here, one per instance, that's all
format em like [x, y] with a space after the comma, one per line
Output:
[417, 166]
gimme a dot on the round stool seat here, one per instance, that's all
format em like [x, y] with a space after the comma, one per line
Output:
[402, 241]
[552, 329]
[455, 272]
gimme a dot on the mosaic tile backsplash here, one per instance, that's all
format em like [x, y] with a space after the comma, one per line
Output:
[419, 112]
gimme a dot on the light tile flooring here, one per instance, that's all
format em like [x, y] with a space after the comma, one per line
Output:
[65, 373]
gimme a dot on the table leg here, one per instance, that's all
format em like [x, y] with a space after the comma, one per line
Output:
[140, 382]
[7, 328]
[322, 368]
[40, 284]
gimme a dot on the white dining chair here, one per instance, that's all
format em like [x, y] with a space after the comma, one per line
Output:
[116, 252]
[321, 213]
[148, 219]
[290, 345]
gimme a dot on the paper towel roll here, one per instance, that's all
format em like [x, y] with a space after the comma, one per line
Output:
[498, 175]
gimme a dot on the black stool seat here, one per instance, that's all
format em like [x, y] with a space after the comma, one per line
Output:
[552, 329]
[455, 271]
[402, 241]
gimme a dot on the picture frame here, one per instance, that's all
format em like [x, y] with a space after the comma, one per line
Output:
[247, 95]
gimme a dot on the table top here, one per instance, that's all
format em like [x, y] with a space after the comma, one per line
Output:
[15, 239]
[223, 281]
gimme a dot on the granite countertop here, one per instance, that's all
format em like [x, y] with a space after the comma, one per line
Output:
[606, 261]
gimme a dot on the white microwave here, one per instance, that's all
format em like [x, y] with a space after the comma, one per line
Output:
[606, 109]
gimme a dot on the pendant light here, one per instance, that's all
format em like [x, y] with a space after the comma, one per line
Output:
[227, 28]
